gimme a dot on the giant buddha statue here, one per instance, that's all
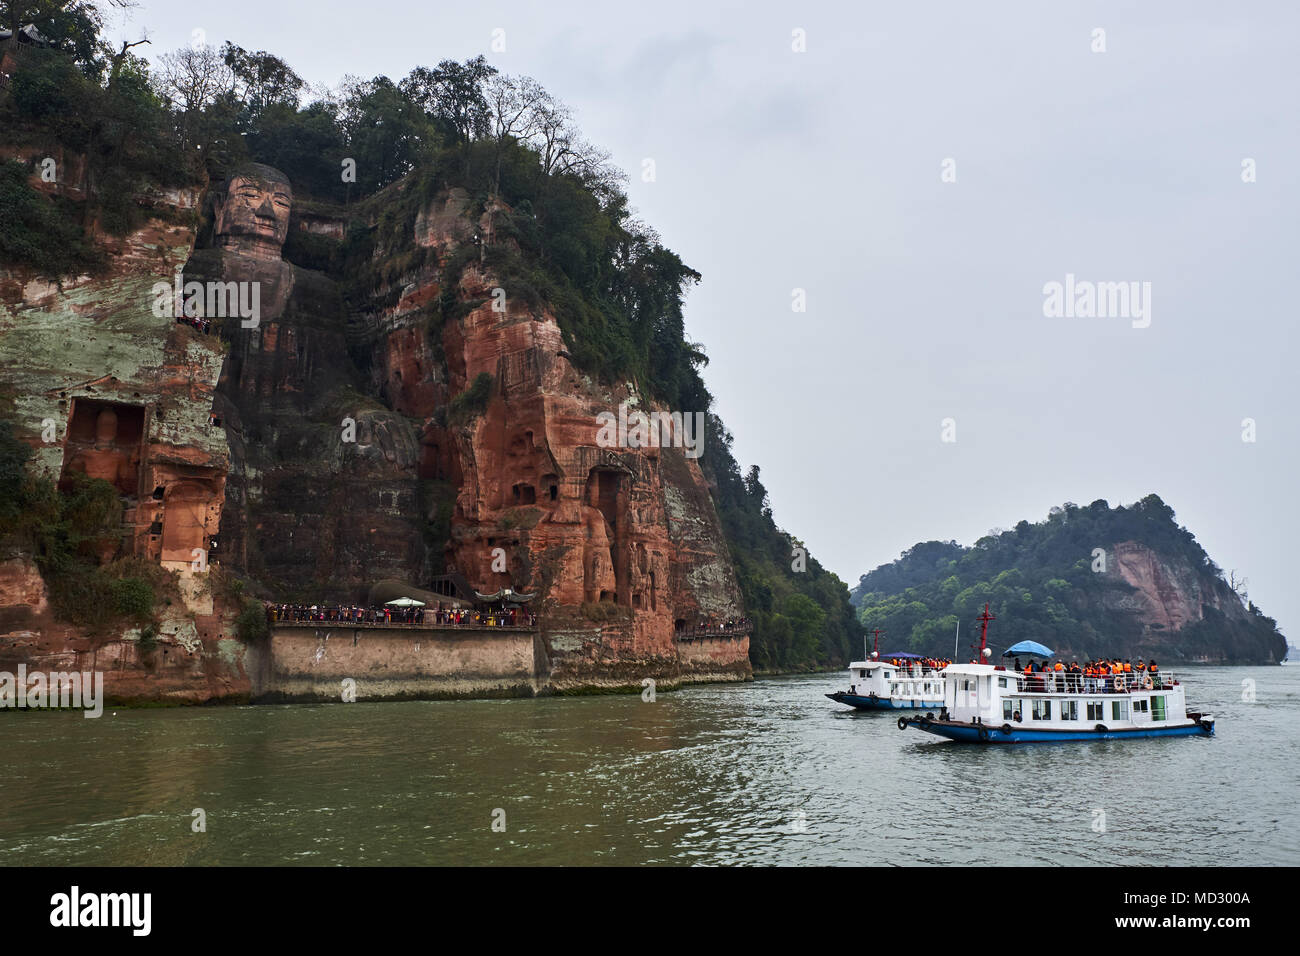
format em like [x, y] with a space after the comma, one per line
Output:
[287, 381]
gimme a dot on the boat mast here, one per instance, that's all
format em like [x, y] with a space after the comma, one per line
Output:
[875, 648]
[984, 633]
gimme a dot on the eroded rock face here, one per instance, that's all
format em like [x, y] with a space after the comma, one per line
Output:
[1164, 596]
[107, 385]
[622, 545]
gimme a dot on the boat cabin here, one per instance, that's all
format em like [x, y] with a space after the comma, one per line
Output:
[985, 694]
[885, 679]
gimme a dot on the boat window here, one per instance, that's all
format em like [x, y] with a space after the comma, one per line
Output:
[1008, 709]
[1069, 710]
[1158, 708]
[1042, 710]
[1002, 682]
[1119, 710]
[1139, 706]
[1097, 710]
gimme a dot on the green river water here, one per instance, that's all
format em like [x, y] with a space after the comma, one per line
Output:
[769, 772]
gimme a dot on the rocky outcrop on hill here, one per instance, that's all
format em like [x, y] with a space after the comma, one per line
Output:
[1087, 581]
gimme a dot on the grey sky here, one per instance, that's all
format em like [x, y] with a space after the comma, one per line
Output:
[821, 170]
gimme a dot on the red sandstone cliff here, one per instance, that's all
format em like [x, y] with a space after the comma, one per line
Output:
[622, 546]
[89, 353]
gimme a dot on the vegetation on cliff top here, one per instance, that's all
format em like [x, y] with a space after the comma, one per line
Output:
[1040, 582]
[93, 113]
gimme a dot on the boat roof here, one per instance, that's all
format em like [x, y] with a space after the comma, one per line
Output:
[975, 669]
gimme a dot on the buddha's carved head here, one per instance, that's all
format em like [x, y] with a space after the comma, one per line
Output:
[106, 426]
[252, 211]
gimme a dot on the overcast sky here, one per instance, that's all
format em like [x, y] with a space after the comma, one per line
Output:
[822, 170]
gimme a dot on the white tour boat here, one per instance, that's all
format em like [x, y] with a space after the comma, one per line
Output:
[900, 682]
[992, 705]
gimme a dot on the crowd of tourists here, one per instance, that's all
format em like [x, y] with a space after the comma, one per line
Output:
[197, 322]
[712, 628]
[1092, 677]
[413, 616]
[920, 667]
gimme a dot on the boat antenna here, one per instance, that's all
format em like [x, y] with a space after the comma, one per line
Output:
[875, 649]
[955, 639]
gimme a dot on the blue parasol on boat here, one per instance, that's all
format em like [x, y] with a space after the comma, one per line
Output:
[902, 656]
[1029, 647]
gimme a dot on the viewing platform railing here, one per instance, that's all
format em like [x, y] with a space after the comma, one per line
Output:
[905, 672]
[1063, 683]
[714, 630]
[490, 622]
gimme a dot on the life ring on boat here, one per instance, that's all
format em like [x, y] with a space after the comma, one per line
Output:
[1120, 684]
[902, 723]
[1147, 682]
[1006, 729]
[984, 733]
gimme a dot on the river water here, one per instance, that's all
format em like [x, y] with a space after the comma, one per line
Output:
[769, 772]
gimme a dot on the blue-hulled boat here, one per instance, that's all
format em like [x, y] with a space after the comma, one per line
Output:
[984, 704]
[880, 685]
[899, 682]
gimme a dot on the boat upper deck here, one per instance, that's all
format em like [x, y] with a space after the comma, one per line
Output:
[1073, 683]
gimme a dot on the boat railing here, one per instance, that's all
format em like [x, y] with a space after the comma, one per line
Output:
[1060, 682]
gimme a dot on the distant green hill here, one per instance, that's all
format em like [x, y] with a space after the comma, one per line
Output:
[1086, 581]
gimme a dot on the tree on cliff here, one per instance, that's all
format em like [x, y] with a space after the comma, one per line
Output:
[452, 94]
[14, 455]
[70, 26]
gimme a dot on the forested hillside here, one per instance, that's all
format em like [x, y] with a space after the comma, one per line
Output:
[1087, 580]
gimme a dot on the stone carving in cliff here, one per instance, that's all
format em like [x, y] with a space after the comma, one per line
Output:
[322, 480]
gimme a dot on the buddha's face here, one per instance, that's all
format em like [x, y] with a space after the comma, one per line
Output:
[106, 426]
[254, 208]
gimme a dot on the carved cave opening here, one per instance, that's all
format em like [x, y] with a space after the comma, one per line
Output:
[105, 441]
[185, 519]
[607, 497]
